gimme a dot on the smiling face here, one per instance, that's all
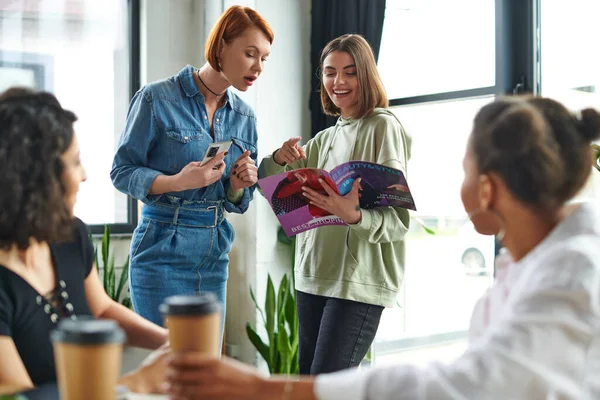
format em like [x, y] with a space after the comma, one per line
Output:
[73, 173]
[242, 60]
[341, 82]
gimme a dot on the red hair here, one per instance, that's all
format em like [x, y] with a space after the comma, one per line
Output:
[231, 25]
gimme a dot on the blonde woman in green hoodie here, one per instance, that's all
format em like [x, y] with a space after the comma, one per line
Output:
[346, 275]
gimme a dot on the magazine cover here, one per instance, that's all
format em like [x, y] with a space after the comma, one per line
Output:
[381, 186]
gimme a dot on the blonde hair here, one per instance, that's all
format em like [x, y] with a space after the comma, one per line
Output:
[371, 92]
[231, 25]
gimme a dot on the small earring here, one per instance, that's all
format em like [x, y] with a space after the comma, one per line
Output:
[501, 231]
[500, 234]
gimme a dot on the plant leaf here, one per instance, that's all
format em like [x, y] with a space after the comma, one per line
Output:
[270, 314]
[282, 237]
[105, 250]
[105, 245]
[98, 266]
[127, 302]
[123, 280]
[276, 356]
[284, 349]
[281, 299]
[291, 315]
[257, 342]
[111, 278]
[294, 367]
[262, 314]
[422, 223]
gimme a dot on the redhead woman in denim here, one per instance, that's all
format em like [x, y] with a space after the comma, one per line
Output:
[182, 242]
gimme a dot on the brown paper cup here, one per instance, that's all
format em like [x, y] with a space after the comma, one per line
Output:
[88, 358]
[194, 323]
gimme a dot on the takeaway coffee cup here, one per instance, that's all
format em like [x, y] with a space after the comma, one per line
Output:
[88, 358]
[194, 323]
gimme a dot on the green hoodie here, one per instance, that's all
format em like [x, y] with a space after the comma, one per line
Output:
[362, 262]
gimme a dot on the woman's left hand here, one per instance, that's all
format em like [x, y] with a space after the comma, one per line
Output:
[244, 172]
[346, 207]
[195, 376]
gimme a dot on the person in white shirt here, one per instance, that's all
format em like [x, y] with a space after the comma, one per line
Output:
[536, 333]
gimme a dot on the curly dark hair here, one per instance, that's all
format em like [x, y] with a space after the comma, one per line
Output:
[539, 148]
[35, 131]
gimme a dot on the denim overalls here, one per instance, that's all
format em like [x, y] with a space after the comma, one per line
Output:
[182, 242]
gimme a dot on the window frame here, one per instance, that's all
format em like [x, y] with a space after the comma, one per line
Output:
[517, 60]
[134, 12]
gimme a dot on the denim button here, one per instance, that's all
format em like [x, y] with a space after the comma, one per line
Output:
[185, 137]
[217, 119]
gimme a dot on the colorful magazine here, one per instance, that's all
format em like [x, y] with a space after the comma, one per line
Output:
[381, 187]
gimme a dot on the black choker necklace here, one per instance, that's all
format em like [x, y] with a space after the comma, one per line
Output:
[207, 88]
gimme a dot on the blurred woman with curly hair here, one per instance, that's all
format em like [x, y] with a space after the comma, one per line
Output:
[47, 270]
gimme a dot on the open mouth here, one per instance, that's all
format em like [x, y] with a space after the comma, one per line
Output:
[250, 80]
[341, 93]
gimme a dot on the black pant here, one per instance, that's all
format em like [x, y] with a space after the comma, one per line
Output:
[334, 334]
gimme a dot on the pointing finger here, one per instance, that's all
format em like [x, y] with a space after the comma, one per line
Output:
[294, 140]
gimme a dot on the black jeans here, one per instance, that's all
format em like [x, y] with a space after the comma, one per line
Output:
[334, 334]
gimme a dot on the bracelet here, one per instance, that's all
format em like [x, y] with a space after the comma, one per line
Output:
[273, 157]
[287, 390]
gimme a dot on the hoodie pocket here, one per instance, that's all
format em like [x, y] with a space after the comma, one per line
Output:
[352, 242]
[352, 245]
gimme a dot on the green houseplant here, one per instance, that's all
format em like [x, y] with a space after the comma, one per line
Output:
[115, 290]
[280, 320]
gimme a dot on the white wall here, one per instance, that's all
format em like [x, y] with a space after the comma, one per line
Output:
[280, 99]
[173, 35]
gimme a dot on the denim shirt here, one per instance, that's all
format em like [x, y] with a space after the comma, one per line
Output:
[167, 127]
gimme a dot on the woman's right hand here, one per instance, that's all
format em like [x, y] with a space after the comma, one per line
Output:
[194, 376]
[289, 152]
[194, 176]
[151, 373]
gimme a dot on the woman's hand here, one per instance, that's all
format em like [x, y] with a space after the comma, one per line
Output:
[150, 375]
[194, 176]
[196, 376]
[244, 172]
[289, 152]
[346, 207]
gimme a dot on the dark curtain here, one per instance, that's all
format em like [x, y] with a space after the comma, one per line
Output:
[333, 18]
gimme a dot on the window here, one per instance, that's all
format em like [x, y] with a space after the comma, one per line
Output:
[80, 51]
[569, 63]
[438, 62]
[437, 46]
[441, 59]
[440, 287]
